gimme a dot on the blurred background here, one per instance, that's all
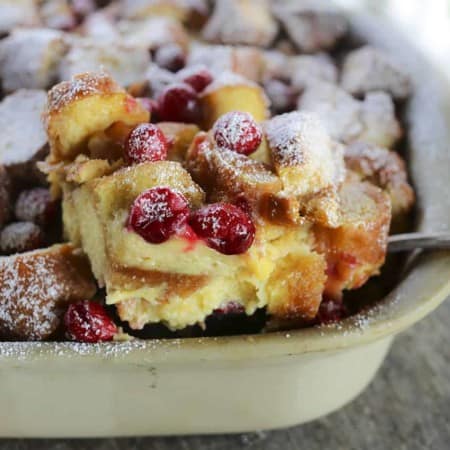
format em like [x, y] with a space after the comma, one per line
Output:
[425, 22]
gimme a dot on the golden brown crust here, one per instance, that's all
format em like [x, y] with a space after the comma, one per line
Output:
[36, 287]
[296, 286]
[384, 168]
[80, 86]
[179, 137]
[132, 278]
[357, 248]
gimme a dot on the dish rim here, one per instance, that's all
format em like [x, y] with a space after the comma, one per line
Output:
[427, 116]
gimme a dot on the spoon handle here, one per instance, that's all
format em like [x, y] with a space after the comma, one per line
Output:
[412, 241]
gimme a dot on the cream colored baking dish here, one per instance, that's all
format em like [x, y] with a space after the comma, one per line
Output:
[242, 383]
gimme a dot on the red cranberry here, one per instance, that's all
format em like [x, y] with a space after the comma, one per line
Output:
[35, 205]
[179, 103]
[87, 321]
[170, 57]
[145, 143]
[331, 311]
[198, 78]
[158, 213]
[237, 131]
[230, 307]
[225, 228]
[20, 237]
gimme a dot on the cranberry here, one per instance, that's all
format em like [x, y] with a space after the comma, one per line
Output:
[225, 228]
[87, 321]
[198, 78]
[179, 103]
[158, 213]
[237, 131]
[331, 311]
[145, 143]
[230, 307]
[20, 237]
[35, 205]
[170, 57]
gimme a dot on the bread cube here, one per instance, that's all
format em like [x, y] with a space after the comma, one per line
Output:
[36, 288]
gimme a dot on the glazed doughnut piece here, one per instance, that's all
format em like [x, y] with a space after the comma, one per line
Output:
[356, 249]
[72, 118]
[19, 151]
[232, 92]
[18, 13]
[241, 22]
[36, 287]
[125, 63]
[369, 69]
[348, 119]
[384, 168]
[312, 25]
[29, 58]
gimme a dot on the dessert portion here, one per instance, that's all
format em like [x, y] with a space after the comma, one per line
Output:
[211, 166]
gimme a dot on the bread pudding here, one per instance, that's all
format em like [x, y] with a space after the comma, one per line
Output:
[203, 186]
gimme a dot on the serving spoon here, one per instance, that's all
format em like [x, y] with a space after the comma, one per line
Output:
[413, 241]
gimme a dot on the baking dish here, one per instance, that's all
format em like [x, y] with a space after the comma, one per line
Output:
[242, 383]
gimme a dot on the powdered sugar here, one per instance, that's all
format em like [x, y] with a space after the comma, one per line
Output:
[18, 112]
[20, 237]
[79, 86]
[34, 287]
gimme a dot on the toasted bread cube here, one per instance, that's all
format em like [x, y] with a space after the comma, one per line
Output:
[153, 33]
[348, 119]
[36, 287]
[241, 22]
[19, 151]
[58, 14]
[185, 11]
[231, 92]
[125, 63]
[243, 60]
[302, 152]
[18, 13]
[87, 104]
[179, 137]
[357, 248]
[237, 176]
[386, 169]
[369, 69]
[306, 69]
[311, 25]
[29, 58]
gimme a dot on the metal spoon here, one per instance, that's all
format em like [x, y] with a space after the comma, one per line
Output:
[413, 241]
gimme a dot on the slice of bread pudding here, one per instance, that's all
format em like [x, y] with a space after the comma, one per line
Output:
[261, 215]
